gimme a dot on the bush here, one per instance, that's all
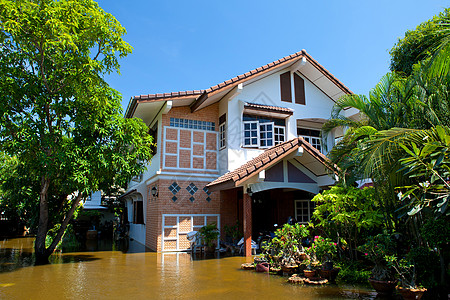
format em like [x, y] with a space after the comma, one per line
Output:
[352, 273]
[427, 266]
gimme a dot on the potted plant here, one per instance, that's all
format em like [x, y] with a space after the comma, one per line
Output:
[285, 248]
[376, 249]
[309, 272]
[325, 249]
[209, 235]
[406, 271]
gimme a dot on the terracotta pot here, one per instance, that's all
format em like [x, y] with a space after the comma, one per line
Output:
[329, 274]
[288, 270]
[383, 287]
[304, 256]
[328, 265]
[309, 273]
[262, 267]
[411, 293]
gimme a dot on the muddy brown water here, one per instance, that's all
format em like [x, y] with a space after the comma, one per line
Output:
[138, 274]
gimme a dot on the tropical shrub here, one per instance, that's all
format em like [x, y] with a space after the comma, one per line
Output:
[352, 273]
[376, 249]
[347, 212]
[209, 233]
[286, 246]
[324, 248]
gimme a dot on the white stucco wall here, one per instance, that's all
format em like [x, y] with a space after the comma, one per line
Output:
[267, 91]
[137, 231]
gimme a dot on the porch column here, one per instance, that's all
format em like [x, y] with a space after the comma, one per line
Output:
[247, 224]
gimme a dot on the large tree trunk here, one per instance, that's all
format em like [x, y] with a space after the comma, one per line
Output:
[65, 222]
[39, 246]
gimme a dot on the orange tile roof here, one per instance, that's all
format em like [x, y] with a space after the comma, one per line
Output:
[268, 158]
[237, 79]
[272, 108]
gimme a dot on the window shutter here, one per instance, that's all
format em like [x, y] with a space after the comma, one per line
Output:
[285, 87]
[299, 87]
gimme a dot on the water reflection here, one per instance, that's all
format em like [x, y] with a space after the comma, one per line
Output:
[105, 271]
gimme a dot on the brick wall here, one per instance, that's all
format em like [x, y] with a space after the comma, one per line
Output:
[182, 137]
[183, 205]
[231, 208]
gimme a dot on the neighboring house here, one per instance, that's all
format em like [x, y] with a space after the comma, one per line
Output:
[257, 133]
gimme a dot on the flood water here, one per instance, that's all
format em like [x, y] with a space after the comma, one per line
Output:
[137, 274]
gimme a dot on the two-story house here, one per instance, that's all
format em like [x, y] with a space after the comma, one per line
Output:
[247, 149]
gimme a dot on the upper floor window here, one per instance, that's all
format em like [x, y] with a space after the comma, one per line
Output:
[222, 131]
[312, 136]
[192, 124]
[263, 132]
[154, 133]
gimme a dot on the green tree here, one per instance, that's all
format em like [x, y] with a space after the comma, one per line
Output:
[421, 44]
[58, 116]
[347, 213]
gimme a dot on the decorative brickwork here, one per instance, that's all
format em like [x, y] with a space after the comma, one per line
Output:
[190, 150]
[165, 205]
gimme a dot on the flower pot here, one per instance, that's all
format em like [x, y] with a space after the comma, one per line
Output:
[289, 270]
[411, 293]
[329, 274]
[383, 287]
[328, 265]
[309, 273]
[262, 267]
[304, 256]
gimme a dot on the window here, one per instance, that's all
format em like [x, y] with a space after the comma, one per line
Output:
[312, 136]
[263, 132]
[279, 134]
[222, 131]
[251, 133]
[266, 135]
[154, 133]
[192, 124]
[303, 210]
[138, 212]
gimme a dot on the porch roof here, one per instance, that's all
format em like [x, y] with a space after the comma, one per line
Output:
[267, 159]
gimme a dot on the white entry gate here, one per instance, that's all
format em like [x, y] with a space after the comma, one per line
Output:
[176, 226]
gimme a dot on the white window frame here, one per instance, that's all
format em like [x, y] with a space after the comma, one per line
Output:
[308, 203]
[277, 137]
[257, 134]
[263, 126]
[314, 141]
[222, 136]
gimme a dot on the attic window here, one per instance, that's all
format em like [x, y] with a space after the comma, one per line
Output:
[285, 87]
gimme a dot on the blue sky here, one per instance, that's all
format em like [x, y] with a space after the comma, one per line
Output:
[187, 45]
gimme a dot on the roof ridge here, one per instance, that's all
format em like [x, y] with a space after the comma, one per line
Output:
[224, 83]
